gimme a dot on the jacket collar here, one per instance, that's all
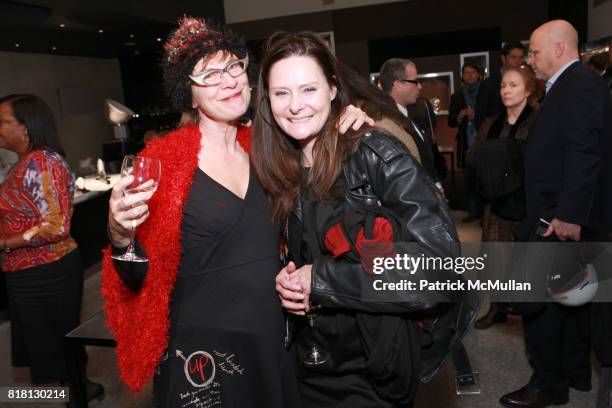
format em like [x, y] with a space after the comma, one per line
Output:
[555, 88]
[551, 81]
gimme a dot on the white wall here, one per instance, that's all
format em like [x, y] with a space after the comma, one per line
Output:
[237, 11]
[600, 20]
[75, 88]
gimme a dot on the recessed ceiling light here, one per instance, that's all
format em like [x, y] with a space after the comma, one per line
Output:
[101, 31]
[62, 25]
[17, 45]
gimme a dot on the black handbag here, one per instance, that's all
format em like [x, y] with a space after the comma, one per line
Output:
[498, 164]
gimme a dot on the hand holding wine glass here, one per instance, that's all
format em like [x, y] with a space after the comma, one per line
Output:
[128, 208]
[293, 287]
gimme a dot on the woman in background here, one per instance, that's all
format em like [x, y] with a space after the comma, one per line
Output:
[518, 89]
[41, 261]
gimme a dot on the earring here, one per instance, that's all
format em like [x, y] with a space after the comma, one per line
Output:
[25, 136]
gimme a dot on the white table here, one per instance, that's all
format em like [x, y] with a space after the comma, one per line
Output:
[94, 187]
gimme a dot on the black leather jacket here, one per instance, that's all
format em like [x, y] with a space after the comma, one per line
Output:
[382, 172]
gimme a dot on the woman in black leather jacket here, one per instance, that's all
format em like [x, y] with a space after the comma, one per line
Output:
[314, 178]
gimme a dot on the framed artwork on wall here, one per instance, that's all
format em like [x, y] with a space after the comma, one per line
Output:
[374, 77]
[329, 37]
[480, 59]
[438, 87]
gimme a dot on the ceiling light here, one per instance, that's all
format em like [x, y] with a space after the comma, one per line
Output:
[62, 25]
[54, 48]
[17, 45]
[131, 35]
[101, 31]
[158, 39]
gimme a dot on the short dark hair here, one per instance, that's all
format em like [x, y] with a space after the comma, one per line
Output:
[513, 45]
[392, 70]
[473, 66]
[193, 40]
[34, 113]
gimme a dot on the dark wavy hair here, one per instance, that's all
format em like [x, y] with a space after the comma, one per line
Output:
[513, 45]
[193, 40]
[34, 113]
[276, 157]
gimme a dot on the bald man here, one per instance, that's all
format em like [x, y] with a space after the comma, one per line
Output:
[568, 182]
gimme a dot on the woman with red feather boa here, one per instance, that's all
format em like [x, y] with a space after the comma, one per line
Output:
[202, 316]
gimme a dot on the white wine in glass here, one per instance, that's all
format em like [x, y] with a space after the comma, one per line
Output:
[146, 174]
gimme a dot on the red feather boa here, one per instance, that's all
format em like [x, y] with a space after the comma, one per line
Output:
[139, 321]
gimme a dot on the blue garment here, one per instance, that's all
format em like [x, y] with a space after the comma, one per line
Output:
[469, 94]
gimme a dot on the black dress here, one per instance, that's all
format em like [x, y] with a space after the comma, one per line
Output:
[226, 346]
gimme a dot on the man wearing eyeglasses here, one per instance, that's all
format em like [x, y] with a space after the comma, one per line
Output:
[398, 78]
[568, 182]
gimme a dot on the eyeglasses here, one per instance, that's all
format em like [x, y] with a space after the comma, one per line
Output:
[214, 77]
[412, 81]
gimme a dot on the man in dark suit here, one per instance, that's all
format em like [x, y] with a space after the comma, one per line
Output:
[398, 78]
[568, 181]
[461, 114]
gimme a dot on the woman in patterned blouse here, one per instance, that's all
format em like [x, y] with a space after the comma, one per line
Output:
[42, 265]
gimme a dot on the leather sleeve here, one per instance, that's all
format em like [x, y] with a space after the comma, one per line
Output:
[402, 187]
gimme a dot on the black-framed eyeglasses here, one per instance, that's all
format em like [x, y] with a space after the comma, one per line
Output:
[412, 81]
[213, 77]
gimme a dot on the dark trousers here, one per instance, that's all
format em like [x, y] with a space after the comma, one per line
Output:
[3, 296]
[45, 304]
[558, 345]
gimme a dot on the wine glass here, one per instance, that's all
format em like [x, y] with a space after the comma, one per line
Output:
[315, 356]
[146, 174]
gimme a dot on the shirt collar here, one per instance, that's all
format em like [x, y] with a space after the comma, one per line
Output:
[557, 74]
[402, 109]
